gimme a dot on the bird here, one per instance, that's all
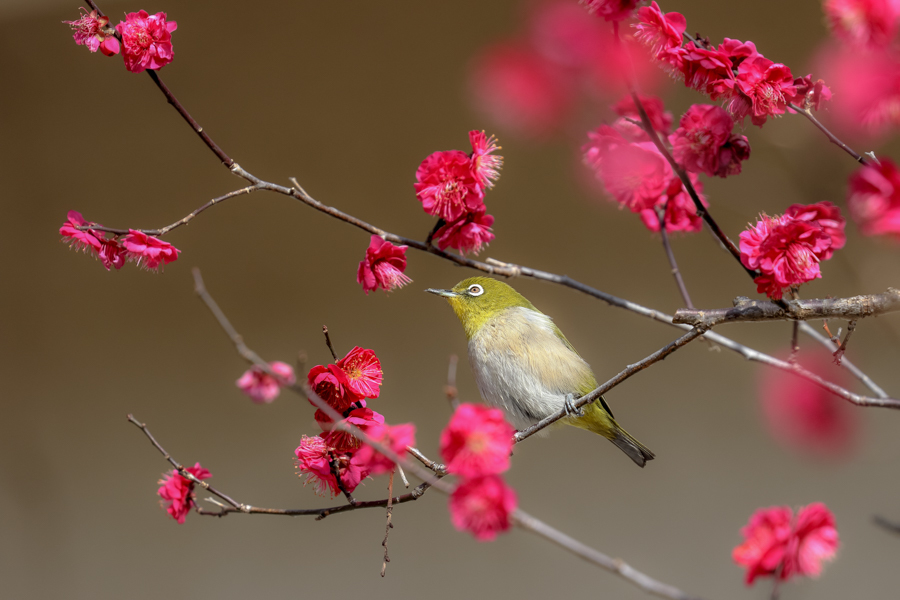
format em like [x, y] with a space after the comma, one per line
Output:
[524, 364]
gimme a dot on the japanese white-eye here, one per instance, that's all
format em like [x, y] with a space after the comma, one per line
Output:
[525, 365]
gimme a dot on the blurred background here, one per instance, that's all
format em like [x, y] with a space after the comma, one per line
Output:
[349, 98]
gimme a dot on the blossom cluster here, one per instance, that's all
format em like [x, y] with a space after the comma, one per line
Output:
[177, 491]
[634, 172]
[136, 246]
[334, 453]
[476, 446]
[734, 72]
[146, 39]
[778, 543]
[451, 184]
[787, 249]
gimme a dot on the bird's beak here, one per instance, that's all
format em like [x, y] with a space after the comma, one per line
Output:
[444, 293]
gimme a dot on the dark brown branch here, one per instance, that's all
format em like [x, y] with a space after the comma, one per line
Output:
[610, 384]
[614, 565]
[831, 137]
[336, 473]
[745, 309]
[686, 181]
[676, 273]
[887, 525]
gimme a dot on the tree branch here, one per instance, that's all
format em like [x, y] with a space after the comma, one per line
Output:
[745, 309]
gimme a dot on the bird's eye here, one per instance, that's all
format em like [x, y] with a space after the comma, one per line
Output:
[475, 290]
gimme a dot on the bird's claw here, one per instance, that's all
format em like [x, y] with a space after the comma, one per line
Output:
[569, 406]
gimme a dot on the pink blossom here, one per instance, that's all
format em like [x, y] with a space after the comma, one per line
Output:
[177, 492]
[482, 506]
[397, 438]
[92, 31]
[147, 40]
[564, 34]
[477, 441]
[704, 144]
[84, 240]
[681, 212]
[865, 23]
[363, 371]
[785, 250]
[147, 251]
[635, 175]
[314, 459]
[803, 415]
[660, 118]
[383, 267]
[661, 32]
[811, 94]
[610, 10]
[707, 70]
[485, 164]
[874, 198]
[448, 186]
[520, 90]
[331, 384]
[737, 51]
[111, 254]
[773, 539]
[358, 416]
[467, 234]
[262, 387]
[827, 216]
[767, 88]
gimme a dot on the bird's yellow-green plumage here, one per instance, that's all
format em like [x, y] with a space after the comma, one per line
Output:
[524, 364]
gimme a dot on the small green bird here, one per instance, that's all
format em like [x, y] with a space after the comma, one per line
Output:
[526, 366]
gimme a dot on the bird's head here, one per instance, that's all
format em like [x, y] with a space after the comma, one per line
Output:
[477, 300]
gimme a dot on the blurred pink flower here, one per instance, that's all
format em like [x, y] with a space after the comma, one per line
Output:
[262, 387]
[785, 250]
[177, 492]
[363, 371]
[147, 251]
[804, 416]
[874, 198]
[467, 234]
[681, 213]
[635, 175]
[827, 216]
[660, 118]
[477, 441]
[610, 10]
[147, 40]
[773, 539]
[383, 267]
[395, 437]
[482, 506]
[865, 23]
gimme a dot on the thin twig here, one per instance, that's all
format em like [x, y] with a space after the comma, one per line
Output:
[839, 353]
[854, 370]
[679, 281]
[891, 526]
[831, 137]
[389, 525]
[450, 389]
[336, 473]
[614, 565]
[328, 342]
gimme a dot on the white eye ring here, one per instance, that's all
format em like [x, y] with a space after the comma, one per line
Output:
[475, 290]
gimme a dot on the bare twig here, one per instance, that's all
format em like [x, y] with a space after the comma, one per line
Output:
[614, 565]
[389, 525]
[891, 526]
[676, 273]
[839, 353]
[854, 370]
[437, 467]
[745, 309]
[328, 342]
[831, 137]
[336, 473]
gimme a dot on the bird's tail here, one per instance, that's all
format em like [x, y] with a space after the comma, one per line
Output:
[599, 419]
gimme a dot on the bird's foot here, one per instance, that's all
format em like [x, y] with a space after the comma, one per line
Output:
[569, 406]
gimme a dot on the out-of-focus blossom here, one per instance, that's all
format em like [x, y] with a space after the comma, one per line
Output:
[520, 90]
[363, 371]
[611, 10]
[785, 250]
[827, 216]
[146, 40]
[468, 234]
[111, 254]
[485, 163]
[704, 143]
[448, 186]
[177, 492]
[775, 543]
[482, 506]
[874, 198]
[147, 251]
[635, 175]
[811, 94]
[864, 23]
[804, 416]
[383, 267]
[477, 441]
[395, 437]
[660, 118]
[681, 212]
[565, 36]
[262, 387]
[92, 31]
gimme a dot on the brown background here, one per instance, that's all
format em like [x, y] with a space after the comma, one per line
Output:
[349, 97]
